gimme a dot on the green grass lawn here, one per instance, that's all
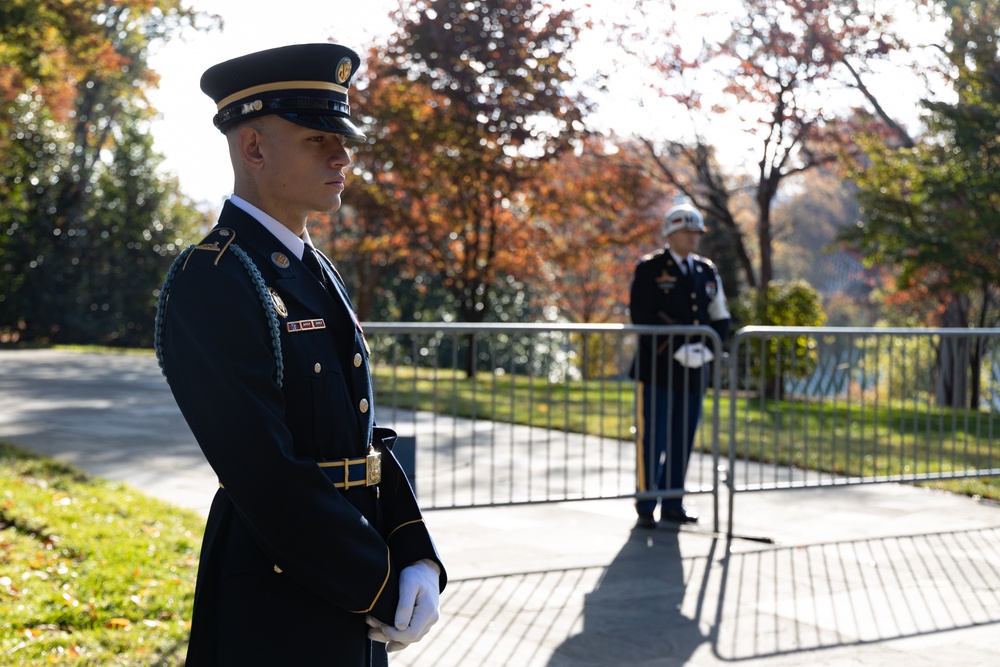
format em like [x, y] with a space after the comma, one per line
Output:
[91, 572]
[884, 440]
[874, 439]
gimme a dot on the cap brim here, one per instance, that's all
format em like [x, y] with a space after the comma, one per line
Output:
[327, 123]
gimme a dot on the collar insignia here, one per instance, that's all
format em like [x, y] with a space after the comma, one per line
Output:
[279, 260]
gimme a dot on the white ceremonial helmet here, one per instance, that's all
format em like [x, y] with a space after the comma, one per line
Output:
[683, 216]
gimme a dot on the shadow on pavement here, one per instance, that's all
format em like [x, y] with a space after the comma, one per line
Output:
[786, 600]
[635, 614]
[651, 606]
[536, 618]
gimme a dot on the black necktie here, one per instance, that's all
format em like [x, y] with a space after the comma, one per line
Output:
[311, 259]
[334, 287]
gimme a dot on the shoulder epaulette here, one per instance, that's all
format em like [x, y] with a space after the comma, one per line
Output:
[652, 255]
[704, 260]
[217, 242]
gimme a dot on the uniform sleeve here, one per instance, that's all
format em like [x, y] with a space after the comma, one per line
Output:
[218, 356]
[406, 533]
[718, 310]
[642, 308]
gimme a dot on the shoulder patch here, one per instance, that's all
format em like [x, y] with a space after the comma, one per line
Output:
[217, 241]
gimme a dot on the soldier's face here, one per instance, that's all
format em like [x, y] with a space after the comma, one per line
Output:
[684, 241]
[304, 167]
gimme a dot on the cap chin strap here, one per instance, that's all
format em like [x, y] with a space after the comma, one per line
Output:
[276, 105]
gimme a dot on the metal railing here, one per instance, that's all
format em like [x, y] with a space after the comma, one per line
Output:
[813, 407]
[524, 413]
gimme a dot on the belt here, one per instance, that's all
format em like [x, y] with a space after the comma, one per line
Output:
[348, 473]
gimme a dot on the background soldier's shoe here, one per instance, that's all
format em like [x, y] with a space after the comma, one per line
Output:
[678, 515]
[645, 521]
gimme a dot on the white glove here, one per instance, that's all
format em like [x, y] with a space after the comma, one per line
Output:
[693, 355]
[418, 607]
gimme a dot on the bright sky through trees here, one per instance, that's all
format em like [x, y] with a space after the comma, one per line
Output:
[195, 150]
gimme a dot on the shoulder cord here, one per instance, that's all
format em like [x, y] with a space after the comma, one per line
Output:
[161, 306]
[265, 299]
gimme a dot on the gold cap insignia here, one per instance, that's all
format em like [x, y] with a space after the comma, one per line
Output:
[279, 305]
[280, 260]
[343, 70]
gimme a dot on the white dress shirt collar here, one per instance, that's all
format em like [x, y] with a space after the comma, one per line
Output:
[296, 245]
[685, 264]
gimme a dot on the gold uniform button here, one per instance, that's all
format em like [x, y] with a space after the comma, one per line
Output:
[357, 360]
[317, 368]
[278, 569]
[363, 405]
[694, 308]
[697, 322]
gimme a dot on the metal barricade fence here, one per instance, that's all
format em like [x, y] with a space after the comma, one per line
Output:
[522, 413]
[505, 414]
[812, 407]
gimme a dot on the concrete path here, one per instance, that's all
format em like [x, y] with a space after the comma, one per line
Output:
[877, 575]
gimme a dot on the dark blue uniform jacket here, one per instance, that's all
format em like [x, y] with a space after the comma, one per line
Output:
[290, 565]
[662, 294]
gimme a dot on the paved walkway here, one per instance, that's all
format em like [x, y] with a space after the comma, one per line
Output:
[876, 575]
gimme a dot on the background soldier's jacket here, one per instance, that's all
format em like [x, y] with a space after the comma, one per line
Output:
[316, 557]
[662, 294]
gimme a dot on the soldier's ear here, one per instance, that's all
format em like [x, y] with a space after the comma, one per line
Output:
[247, 145]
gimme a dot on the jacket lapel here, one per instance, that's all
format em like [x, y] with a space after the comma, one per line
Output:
[288, 272]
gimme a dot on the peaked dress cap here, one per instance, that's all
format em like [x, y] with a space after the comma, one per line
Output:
[306, 84]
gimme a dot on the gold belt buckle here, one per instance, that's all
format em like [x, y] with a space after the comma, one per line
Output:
[373, 467]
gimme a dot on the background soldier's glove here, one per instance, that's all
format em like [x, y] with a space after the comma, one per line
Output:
[693, 355]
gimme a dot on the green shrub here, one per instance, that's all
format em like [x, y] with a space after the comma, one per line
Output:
[766, 363]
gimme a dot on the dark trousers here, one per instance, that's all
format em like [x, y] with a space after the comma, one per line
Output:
[667, 422]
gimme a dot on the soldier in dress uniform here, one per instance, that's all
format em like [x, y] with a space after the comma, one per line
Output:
[314, 545]
[672, 286]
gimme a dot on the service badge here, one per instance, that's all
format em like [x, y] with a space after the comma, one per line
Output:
[279, 305]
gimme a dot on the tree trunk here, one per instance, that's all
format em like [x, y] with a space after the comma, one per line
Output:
[954, 358]
[951, 386]
[975, 377]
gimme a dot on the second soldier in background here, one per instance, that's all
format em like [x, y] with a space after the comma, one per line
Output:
[672, 286]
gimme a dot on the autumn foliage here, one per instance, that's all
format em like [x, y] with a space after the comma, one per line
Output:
[87, 225]
[486, 192]
[599, 210]
[466, 103]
